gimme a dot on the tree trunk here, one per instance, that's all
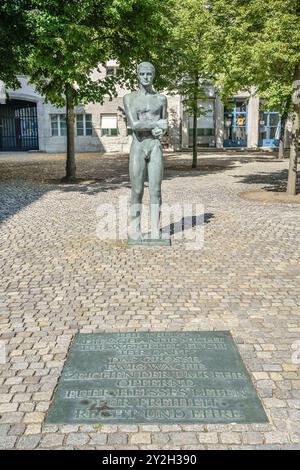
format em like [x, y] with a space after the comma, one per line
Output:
[195, 150]
[195, 116]
[281, 149]
[292, 176]
[71, 163]
[283, 119]
[281, 138]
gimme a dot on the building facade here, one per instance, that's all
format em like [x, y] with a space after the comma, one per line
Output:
[244, 122]
[27, 122]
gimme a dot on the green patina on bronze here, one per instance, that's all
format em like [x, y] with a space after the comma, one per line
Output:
[157, 377]
[146, 112]
[150, 242]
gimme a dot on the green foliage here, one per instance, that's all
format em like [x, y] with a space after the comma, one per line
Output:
[260, 47]
[187, 62]
[16, 39]
[76, 38]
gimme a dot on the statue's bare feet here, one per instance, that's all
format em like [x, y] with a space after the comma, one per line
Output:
[155, 234]
[136, 235]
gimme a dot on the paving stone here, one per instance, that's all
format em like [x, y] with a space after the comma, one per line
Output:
[160, 438]
[140, 438]
[17, 430]
[128, 428]
[33, 429]
[69, 428]
[273, 367]
[276, 438]
[194, 447]
[42, 396]
[149, 428]
[26, 407]
[291, 447]
[107, 428]
[11, 418]
[253, 438]
[194, 427]
[52, 440]
[6, 397]
[21, 397]
[117, 438]
[7, 407]
[77, 440]
[4, 429]
[182, 438]
[58, 278]
[230, 438]
[87, 428]
[7, 442]
[35, 417]
[268, 447]
[208, 437]
[98, 439]
[28, 442]
[170, 428]
[274, 403]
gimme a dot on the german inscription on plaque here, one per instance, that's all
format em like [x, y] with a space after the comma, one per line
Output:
[158, 377]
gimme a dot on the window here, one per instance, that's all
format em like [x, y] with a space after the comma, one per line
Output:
[109, 125]
[113, 71]
[58, 125]
[269, 127]
[110, 71]
[128, 128]
[84, 124]
[203, 132]
[241, 105]
[206, 122]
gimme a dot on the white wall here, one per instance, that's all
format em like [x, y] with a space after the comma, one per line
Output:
[253, 120]
[121, 143]
[96, 142]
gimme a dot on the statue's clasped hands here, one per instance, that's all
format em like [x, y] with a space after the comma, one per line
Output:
[160, 129]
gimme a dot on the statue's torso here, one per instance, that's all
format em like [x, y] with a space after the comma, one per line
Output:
[147, 108]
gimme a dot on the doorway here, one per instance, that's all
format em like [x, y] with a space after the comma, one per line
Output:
[18, 126]
[235, 123]
[269, 129]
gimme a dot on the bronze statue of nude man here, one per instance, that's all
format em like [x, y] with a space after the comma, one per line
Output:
[146, 113]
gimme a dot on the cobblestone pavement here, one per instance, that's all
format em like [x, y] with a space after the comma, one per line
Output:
[58, 278]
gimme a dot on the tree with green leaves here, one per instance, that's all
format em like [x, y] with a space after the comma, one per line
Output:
[261, 49]
[74, 39]
[16, 39]
[186, 64]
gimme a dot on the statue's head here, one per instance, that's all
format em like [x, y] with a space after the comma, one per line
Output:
[146, 73]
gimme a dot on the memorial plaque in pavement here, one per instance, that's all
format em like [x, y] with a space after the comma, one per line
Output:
[155, 377]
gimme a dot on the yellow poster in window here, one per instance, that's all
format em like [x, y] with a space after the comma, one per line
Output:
[240, 120]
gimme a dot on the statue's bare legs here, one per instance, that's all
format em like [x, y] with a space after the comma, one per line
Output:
[147, 152]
